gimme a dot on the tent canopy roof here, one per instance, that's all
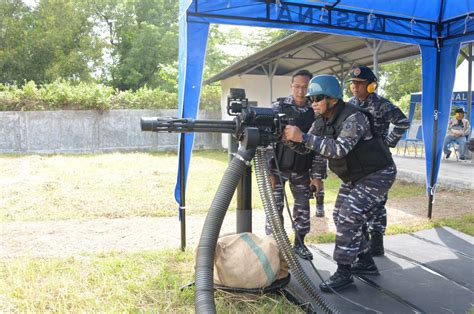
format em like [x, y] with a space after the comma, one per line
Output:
[409, 21]
[319, 53]
[417, 9]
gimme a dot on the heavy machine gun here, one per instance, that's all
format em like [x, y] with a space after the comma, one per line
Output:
[252, 126]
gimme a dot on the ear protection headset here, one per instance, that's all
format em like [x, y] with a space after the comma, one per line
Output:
[371, 87]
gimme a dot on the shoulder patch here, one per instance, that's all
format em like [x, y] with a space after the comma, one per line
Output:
[349, 129]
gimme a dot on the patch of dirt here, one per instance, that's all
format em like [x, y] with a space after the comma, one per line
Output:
[73, 237]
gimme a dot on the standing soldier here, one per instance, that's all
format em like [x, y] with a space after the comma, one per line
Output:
[358, 156]
[363, 86]
[292, 167]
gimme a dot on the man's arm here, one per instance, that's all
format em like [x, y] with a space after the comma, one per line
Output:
[454, 132]
[395, 116]
[319, 167]
[467, 127]
[353, 129]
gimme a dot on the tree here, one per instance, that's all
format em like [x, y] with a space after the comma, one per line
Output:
[143, 40]
[266, 37]
[14, 20]
[401, 78]
[53, 40]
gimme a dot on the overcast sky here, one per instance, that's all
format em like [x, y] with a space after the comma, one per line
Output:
[30, 2]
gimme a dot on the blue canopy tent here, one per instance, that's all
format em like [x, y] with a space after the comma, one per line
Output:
[437, 26]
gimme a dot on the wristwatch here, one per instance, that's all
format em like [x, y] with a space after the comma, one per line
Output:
[305, 139]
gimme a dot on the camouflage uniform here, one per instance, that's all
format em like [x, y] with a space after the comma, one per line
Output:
[319, 166]
[356, 201]
[299, 181]
[383, 113]
[319, 171]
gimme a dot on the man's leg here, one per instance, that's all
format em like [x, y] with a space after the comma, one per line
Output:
[462, 147]
[342, 278]
[278, 194]
[354, 211]
[344, 191]
[446, 150]
[299, 185]
[320, 201]
[376, 228]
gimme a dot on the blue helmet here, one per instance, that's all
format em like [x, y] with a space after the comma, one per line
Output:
[327, 85]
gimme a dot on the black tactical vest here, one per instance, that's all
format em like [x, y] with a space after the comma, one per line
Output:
[366, 157]
[287, 159]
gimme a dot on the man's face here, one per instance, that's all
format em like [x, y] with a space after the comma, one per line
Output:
[320, 107]
[359, 89]
[299, 88]
[459, 115]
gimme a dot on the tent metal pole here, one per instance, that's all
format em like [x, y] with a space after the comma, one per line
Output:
[270, 82]
[377, 46]
[182, 186]
[469, 86]
[435, 136]
[374, 47]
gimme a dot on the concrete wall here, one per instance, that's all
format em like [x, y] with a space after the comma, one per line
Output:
[91, 131]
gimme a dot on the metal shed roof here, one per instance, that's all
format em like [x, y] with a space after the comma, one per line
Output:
[318, 53]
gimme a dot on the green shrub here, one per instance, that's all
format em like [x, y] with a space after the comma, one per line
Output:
[64, 95]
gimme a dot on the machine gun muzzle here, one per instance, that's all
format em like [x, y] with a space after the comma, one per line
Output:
[175, 125]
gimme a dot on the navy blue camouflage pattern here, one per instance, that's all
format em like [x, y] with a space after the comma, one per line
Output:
[356, 202]
[299, 182]
[355, 128]
[299, 186]
[355, 205]
[384, 113]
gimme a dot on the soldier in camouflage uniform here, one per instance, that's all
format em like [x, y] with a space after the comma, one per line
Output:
[361, 160]
[291, 167]
[384, 113]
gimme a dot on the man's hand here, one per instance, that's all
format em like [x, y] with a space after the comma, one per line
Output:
[457, 133]
[273, 179]
[317, 183]
[292, 133]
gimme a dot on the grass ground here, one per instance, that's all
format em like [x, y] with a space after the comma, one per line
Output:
[59, 187]
[42, 188]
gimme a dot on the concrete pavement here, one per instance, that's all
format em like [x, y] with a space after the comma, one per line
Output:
[453, 174]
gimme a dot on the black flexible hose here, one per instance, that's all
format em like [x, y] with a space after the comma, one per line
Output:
[204, 297]
[281, 238]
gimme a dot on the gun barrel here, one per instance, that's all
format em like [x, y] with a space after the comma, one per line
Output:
[160, 124]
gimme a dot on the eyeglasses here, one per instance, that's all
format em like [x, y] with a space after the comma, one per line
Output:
[316, 98]
[302, 87]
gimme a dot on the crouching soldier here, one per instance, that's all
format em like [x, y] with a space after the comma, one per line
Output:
[358, 156]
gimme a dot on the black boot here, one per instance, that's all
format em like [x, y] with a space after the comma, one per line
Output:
[365, 265]
[341, 279]
[301, 249]
[376, 244]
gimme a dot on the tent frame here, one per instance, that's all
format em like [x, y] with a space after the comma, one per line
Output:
[438, 37]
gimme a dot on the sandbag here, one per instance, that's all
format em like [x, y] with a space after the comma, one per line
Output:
[247, 261]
